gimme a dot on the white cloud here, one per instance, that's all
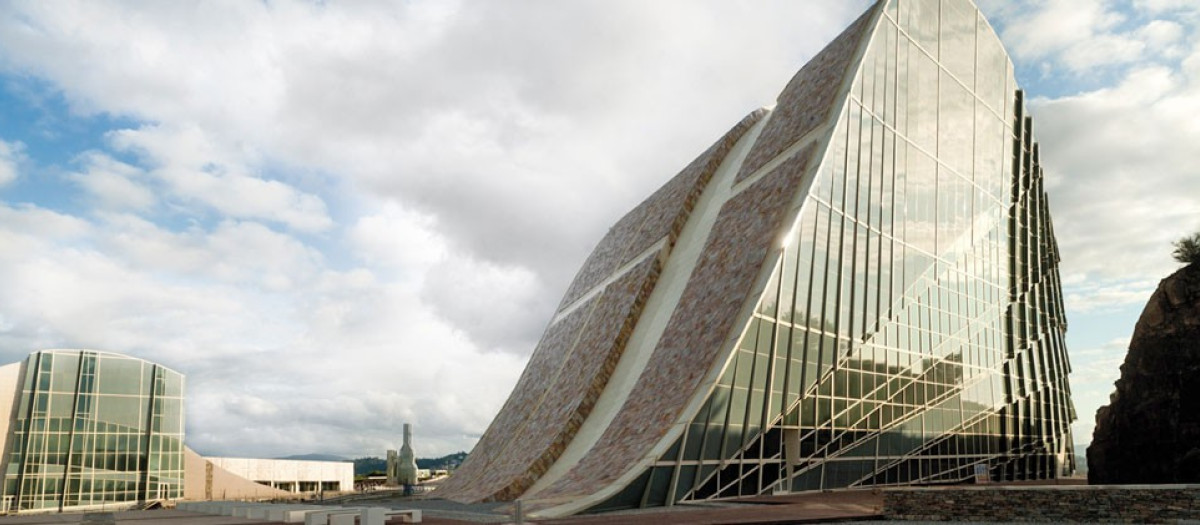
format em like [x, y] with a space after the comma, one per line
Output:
[1102, 50]
[457, 160]
[1095, 371]
[1160, 6]
[234, 253]
[283, 354]
[197, 171]
[398, 239]
[10, 155]
[1062, 27]
[1089, 35]
[500, 307]
[522, 131]
[1107, 295]
[503, 306]
[113, 183]
[1164, 37]
[486, 116]
[1123, 181]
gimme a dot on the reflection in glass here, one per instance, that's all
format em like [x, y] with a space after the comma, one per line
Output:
[912, 328]
[104, 436]
[958, 40]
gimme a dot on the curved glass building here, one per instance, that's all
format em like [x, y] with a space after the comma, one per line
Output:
[90, 429]
[858, 287]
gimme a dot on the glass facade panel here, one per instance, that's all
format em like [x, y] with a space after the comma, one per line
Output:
[956, 115]
[92, 429]
[923, 100]
[922, 21]
[958, 40]
[990, 70]
[920, 330]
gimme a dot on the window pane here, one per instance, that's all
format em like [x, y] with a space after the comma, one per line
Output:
[922, 100]
[956, 119]
[922, 18]
[990, 69]
[958, 39]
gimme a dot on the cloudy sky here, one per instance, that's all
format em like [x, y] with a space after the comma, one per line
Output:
[339, 217]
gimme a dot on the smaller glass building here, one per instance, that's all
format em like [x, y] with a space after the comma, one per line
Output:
[90, 429]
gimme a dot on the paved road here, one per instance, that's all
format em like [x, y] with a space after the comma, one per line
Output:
[141, 517]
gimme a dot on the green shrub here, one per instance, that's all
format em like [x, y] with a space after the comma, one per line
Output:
[1187, 249]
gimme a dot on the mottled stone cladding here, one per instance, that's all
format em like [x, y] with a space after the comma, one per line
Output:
[492, 470]
[548, 358]
[809, 99]
[607, 257]
[722, 282]
[1121, 504]
[557, 392]
[663, 214]
[573, 394]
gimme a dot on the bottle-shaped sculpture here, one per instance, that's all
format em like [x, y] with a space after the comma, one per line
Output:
[406, 469]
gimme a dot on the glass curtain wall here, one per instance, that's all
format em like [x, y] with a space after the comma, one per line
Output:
[94, 429]
[913, 329]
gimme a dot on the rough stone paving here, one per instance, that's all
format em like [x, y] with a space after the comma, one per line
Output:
[720, 285]
[552, 400]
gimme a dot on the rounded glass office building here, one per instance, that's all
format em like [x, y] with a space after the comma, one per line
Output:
[90, 429]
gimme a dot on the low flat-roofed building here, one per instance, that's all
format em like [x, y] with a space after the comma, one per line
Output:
[291, 475]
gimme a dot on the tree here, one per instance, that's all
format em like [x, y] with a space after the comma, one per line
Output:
[1187, 249]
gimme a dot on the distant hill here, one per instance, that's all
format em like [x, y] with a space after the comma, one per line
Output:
[448, 462]
[370, 465]
[316, 457]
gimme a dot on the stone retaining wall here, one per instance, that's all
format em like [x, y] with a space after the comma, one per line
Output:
[1138, 504]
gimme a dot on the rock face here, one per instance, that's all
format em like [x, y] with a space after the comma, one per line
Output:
[1150, 431]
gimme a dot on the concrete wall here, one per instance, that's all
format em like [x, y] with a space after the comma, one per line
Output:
[202, 480]
[1131, 503]
[290, 472]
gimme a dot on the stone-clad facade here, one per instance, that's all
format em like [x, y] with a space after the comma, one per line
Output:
[809, 98]
[660, 216]
[707, 313]
[858, 287]
[582, 345]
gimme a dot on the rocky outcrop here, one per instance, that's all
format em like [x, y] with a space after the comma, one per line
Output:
[1150, 431]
